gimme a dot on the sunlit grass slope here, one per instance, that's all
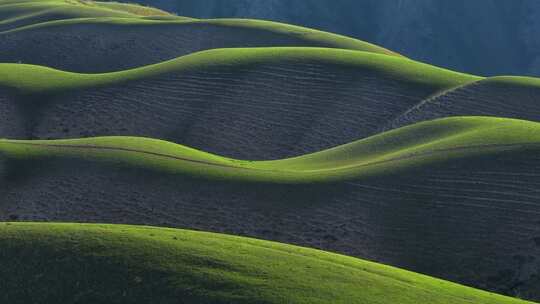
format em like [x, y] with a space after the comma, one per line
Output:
[31, 79]
[515, 80]
[132, 8]
[23, 13]
[414, 146]
[59, 263]
[28, 79]
[81, 8]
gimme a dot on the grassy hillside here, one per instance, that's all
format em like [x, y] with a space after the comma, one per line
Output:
[80, 263]
[470, 181]
[79, 8]
[46, 80]
[413, 146]
[473, 36]
[136, 9]
[258, 129]
[227, 101]
[254, 103]
[15, 14]
[132, 36]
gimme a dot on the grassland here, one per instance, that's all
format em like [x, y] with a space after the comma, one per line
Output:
[75, 9]
[51, 263]
[413, 146]
[33, 79]
[75, 263]
[14, 14]
[29, 79]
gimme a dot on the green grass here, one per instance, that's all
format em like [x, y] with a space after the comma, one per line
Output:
[78, 8]
[517, 81]
[132, 8]
[76, 263]
[14, 14]
[415, 146]
[21, 14]
[30, 79]
[60, 263]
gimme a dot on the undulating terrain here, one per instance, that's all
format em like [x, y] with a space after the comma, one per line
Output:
[126, 264]
[121, 114]
[485, 37]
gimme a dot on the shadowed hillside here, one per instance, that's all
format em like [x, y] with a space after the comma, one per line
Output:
[14, 14]
[263, 103]
[466, 181]
[248, 103]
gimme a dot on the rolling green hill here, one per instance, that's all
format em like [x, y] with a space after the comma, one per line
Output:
[387, 153]
[484, 37]
[113, 36]
[14, 14]
[255, 103]
[46, 80]
[257, 129]
[463, 180]
[74, 263]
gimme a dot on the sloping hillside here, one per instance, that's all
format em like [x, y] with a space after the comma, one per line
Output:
[97, 37]
[261, 103]
[70, 262]
[484, 37]
[14, 14]
[415, 146]
[258, 129]
[467, 181]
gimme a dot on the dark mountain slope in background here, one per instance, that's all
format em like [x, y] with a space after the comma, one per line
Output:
[486, 37]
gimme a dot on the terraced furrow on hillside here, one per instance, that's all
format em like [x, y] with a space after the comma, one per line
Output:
[242, 106]
[513, 97]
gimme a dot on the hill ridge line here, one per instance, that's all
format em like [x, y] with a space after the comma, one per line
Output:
[208, 163]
